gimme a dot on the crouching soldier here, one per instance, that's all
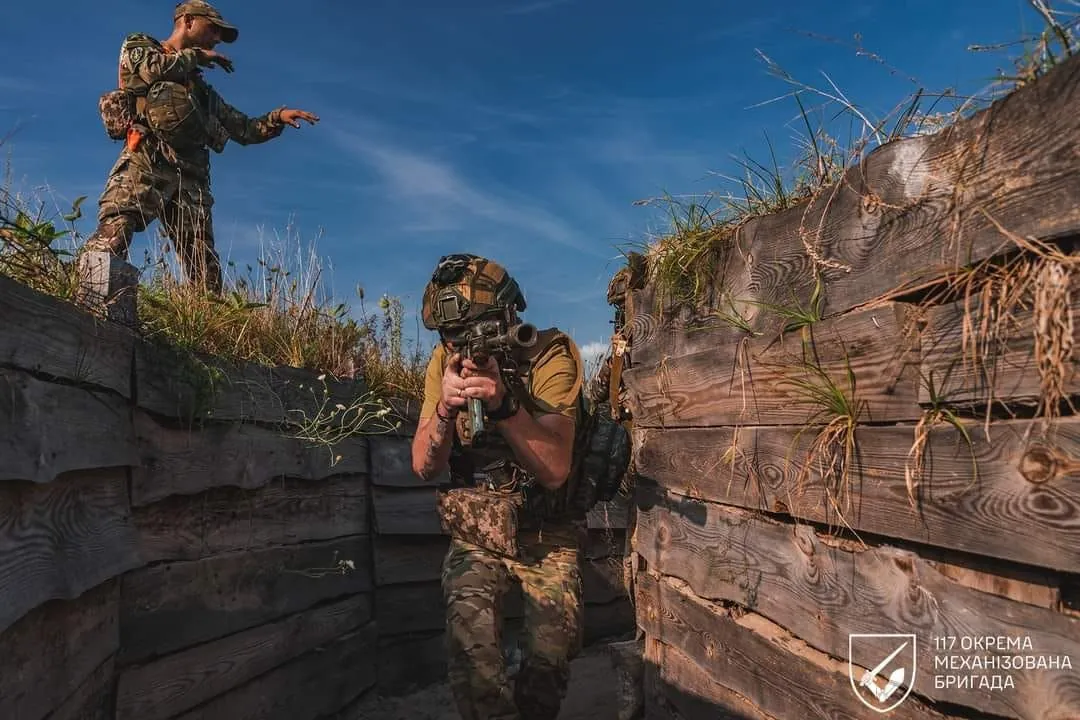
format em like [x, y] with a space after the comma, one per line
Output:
[506, 426]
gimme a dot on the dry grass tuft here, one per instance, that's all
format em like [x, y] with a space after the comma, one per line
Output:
[935, 415]
[832, 454]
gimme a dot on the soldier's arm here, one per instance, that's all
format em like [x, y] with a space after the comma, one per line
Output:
[243, 129]
[545, 444]
[152, 64]
[434, 433]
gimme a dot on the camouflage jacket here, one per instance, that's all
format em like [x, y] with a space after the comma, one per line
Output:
[144, 62]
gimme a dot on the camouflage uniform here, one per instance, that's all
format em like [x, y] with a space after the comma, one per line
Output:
[474, 582]
[546, 561]
[169, 179]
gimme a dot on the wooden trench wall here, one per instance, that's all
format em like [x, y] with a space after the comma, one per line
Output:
[156, 568]
[749, 576]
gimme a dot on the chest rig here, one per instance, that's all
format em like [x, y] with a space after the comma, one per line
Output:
[491, 465]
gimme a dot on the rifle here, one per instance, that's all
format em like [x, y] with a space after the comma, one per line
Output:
[487, 338]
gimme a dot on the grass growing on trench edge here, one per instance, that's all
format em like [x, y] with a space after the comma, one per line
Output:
[275, 311]
[687, 260]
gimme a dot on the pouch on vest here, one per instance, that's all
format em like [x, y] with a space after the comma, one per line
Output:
[118, 112]
[175, 116]
[485, 518]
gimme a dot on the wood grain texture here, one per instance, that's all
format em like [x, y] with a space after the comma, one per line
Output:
[996, 513]
[1008, 374]
[170, 382]
[182, 681]
[406, 511]
[223, 519]
[46, 335]
[314, 685]
[409, 558]
[677, 688]
[170, 606]
[754, 658]
[821, 593]
[177, 461]
[60, 539]
[732, 383]
[96, 430]
[93, 700]
[55, 649]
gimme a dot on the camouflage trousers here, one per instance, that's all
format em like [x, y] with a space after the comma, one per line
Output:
[475, 581]
[141, 188]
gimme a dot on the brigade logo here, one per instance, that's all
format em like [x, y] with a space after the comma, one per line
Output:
[891, 675]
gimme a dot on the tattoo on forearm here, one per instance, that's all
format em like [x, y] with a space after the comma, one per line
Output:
[435, 440]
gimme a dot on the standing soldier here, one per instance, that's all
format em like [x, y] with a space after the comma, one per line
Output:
[169, 118]
[510, 509]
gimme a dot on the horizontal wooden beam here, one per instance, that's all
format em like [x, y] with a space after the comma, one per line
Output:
[722, 381]
[51, 337]
[176, 683]
[776, 672]
[311, 687]
[971, 365]
[1017, 495]
[822, 593]
[36, 445]
[223, 519]
[179, 461]
[60, 539]
[170, 606]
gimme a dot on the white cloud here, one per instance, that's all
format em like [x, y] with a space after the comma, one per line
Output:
[438, 197]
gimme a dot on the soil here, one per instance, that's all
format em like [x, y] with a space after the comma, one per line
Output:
[591, 696]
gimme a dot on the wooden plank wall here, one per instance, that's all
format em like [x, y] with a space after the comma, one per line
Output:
[751, 576]
[155, 567]
[409, 548]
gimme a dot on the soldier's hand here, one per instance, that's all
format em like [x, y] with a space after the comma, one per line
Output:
[453, 385]
[293, 117]
[484, 382]
[212, 57]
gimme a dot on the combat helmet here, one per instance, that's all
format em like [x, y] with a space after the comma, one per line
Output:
[464, 288]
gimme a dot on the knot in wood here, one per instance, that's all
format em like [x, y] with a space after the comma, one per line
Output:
[1039, 464]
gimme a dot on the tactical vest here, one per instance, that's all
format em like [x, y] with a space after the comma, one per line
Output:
[178, 114]
[494, 463]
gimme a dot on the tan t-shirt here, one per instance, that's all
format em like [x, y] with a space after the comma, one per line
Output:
[556, 378]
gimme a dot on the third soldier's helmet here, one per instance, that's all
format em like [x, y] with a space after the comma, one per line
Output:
[465, 287]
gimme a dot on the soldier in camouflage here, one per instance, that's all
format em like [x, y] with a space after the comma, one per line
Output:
[169, 118]
[506, 508]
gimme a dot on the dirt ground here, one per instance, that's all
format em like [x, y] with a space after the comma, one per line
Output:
[591, 696]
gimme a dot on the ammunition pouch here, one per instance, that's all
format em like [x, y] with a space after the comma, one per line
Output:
[176, 117]
[481, 516]
[119, 111]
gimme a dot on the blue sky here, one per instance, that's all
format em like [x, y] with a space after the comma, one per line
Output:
[521, 130]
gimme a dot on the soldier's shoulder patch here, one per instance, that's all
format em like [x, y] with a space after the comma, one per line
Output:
[140, 40]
